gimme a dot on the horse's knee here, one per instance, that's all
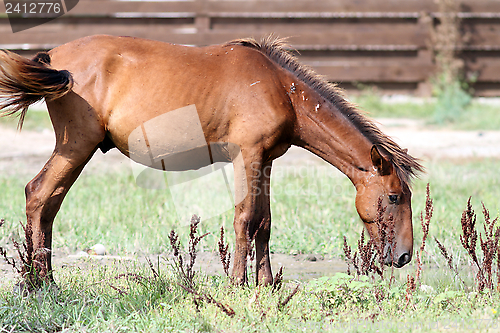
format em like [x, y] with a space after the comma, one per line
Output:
[33, 202]
[241, 225]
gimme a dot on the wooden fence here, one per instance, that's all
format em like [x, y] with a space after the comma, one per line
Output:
[385, 43]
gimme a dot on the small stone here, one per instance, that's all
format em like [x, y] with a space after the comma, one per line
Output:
[98, 250]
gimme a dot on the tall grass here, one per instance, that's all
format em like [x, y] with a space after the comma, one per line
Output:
[134, 298]
[312, 209]
[473, 115]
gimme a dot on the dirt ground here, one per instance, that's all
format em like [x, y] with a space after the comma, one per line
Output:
[25, 153]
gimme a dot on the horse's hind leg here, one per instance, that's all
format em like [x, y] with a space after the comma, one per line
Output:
[78, 133]
[44, 195]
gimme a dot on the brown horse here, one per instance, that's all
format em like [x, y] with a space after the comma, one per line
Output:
[255, 96]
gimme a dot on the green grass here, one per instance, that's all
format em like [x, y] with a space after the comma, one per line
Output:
[100, 299]
[312, 210]
[475, 116]
[36, 120]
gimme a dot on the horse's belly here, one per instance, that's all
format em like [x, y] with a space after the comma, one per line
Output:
[172, 141]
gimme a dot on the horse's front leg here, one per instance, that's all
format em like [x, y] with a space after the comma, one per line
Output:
[245, 198]
[264, 274]
[252, 220]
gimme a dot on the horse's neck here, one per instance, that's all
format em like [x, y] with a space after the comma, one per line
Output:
[325, 131]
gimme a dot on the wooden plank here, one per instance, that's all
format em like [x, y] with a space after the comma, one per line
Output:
[333, 33]
[110, 6]
[387, 6]
[317, 15]
[61, 31]
[321, 6]
[481, 33]
[485, 69]
[276, 6]
[374, 72]
[480, 6]
[486, 89]
[110, 9]
[100, 7]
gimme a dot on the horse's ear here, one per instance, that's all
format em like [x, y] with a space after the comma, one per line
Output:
[382, 165]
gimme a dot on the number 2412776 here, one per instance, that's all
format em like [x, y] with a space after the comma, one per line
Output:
[14, 7]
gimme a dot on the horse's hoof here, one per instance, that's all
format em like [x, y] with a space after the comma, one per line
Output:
[238, 281]
[20, 289]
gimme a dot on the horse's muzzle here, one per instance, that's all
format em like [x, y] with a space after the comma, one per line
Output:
[403, 259]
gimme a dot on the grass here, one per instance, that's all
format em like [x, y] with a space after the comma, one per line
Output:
[312, 208]
[475, 116]
[129, 297]
[312, 211]
[88, 303]
[37, 120]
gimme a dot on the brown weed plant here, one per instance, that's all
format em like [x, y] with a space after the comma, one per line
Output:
[489, 248]
[278, 281]
[425, 222]
[363, 259]
[366, 256]
[287, 299]
[224, 254]
[411, 287]
[33, 263]
[386, 237]
[185, 272]
[489, 245]
[413, 282]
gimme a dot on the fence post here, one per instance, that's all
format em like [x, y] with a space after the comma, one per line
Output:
[424, 88]
[202, 22]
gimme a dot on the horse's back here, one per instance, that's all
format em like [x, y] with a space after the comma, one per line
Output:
[129, 81]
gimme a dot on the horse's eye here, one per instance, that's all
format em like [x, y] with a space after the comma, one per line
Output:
[393, 198]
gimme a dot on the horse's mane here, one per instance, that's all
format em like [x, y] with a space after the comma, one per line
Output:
[278, 51]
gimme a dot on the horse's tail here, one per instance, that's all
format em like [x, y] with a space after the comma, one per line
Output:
[24, 82]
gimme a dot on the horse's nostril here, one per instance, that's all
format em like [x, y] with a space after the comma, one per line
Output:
[404, 259]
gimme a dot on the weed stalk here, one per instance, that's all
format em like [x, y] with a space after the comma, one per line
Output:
[185, 272]
[224, 254]
[33, 266]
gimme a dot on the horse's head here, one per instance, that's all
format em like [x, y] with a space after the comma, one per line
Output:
[382, 183]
